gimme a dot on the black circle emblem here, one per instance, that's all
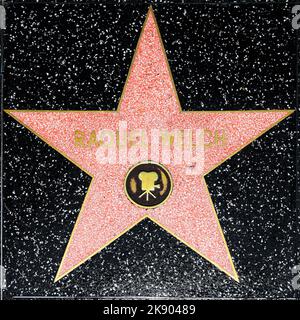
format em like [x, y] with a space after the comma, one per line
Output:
[148, 184]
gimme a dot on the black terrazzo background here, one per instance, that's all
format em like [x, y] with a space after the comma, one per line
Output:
[223, 57]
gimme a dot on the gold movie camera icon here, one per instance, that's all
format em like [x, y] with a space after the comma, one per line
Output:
[148, 183]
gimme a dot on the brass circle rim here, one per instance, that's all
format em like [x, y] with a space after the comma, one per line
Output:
[159, 165]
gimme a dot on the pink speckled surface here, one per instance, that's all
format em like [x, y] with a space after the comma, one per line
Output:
[149, 101]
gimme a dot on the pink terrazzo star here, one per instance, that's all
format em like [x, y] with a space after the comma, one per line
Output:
[149, 100]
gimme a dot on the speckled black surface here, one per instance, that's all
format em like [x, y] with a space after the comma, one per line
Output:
[223, 57]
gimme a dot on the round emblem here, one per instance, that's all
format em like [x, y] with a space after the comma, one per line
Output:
[148, 184]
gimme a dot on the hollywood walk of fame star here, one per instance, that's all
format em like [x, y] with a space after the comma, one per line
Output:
[149, 100]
